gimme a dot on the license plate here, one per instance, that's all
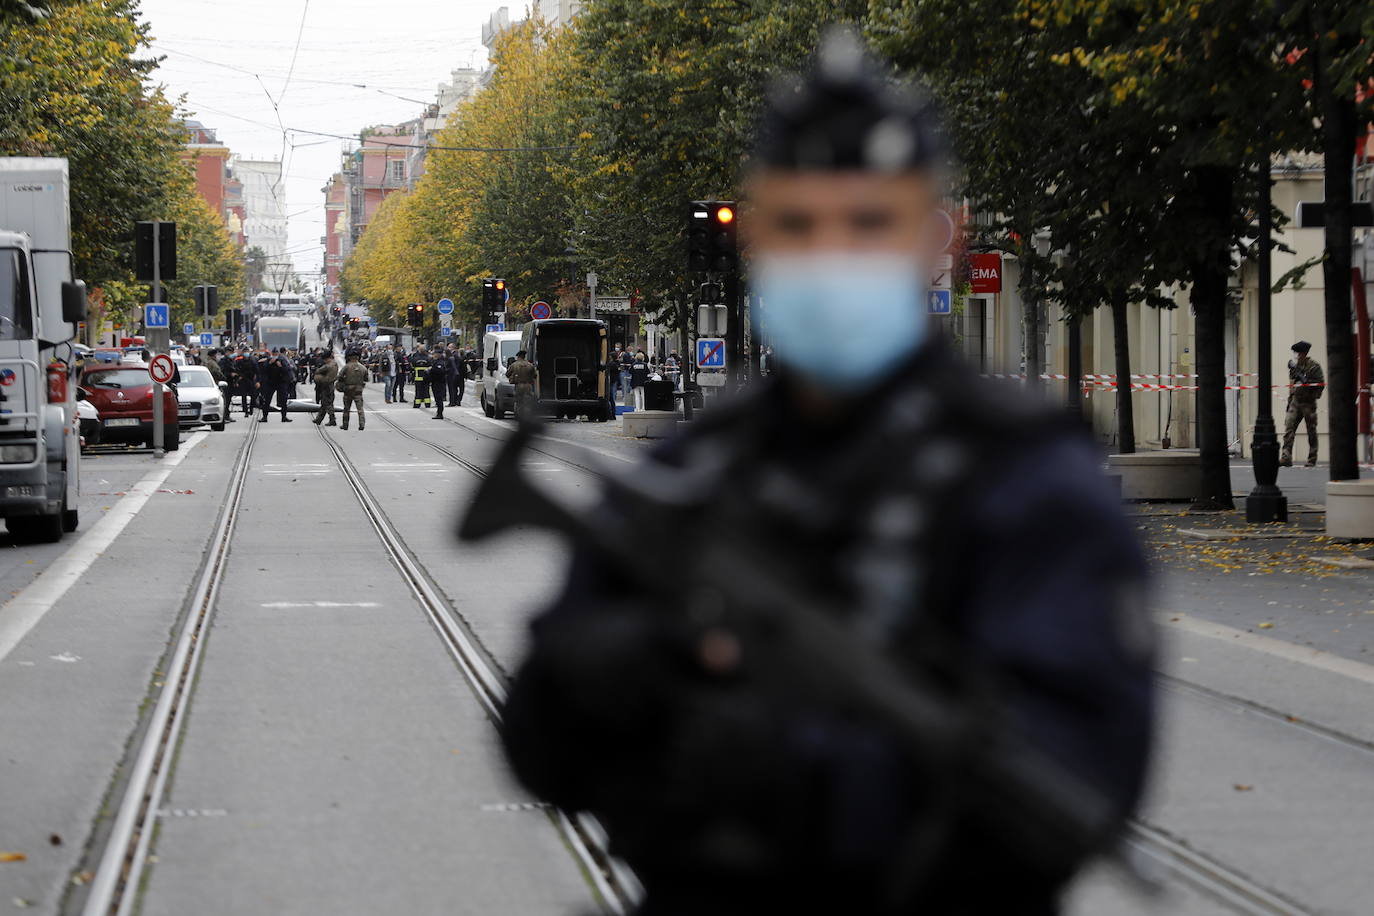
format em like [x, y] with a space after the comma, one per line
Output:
[189, 411]
[123, 421]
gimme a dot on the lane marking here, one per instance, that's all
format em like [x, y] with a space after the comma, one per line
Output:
[291, 604]
[21, 613]
[1302, 655]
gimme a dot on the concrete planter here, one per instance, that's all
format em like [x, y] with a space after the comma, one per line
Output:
[1171, 475]
[649, 424]
[1350, 509]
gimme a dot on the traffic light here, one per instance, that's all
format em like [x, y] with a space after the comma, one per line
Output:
[207, 300]
[494, 296]
[163, 235]
[712, 237]
[415, 315]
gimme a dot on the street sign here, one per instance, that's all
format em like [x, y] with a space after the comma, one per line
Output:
[941, 302]
[445, 306]
[710, 353]
[940, 279]
[540, 311]
[155, 315]
[985, 272]
[188, 329]
[207, 339]
[711, 379]
[446, 332]
[494, 328]
[161, 369]
[445, 321]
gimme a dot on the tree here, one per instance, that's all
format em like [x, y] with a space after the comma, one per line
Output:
[1040, 157]
[205, 254]
[1332, 39]
[76, 87]
[1203, 73]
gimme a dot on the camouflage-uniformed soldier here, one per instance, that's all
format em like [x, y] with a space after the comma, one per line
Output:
[521, 373]
[353, 379]
[1309, 383]
[326, 374]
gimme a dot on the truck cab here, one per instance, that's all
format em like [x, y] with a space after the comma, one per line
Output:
[40, 305]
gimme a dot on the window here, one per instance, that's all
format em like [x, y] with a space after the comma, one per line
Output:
[14, 297]
[396, 170]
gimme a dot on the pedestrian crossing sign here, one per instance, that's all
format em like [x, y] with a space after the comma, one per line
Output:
[494, 328]
[940, 302]
[155, 315]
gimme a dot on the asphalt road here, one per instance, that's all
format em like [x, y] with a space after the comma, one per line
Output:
[335, 759]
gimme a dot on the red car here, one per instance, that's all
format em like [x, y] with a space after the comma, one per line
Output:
[124, 396]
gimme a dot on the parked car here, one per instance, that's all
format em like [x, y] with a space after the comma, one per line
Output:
[123, 394]
[88, 420]
[200, 399]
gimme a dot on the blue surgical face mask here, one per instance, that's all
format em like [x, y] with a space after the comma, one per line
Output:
[844, 320]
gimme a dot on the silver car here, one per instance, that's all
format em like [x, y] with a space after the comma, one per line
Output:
[201, 400]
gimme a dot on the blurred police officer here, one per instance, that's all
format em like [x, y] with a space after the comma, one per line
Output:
[966, 537]
[522, 374]
[1308, 382]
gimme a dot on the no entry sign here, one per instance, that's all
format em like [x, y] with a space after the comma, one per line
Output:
[161, 369]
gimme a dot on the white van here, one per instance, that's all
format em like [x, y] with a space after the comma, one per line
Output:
[498, 395]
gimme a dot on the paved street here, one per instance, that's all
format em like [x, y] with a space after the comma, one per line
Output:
[334, 758]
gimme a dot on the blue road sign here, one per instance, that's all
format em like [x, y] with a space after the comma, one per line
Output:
[493, 328]
[445, 306]
[940, 302]
[710, 353]
[207, 339]
[446, 332]
[155, 315]
[188, 329]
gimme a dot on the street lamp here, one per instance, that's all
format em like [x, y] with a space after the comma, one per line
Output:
[1266, 502]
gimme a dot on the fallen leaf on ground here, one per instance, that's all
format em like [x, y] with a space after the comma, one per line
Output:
[1241, 787]
[12, 857]
[1266, 626]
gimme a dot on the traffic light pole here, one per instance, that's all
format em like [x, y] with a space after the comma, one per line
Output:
[734, 334]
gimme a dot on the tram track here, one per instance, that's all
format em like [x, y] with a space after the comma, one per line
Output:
[619, 890]
[113, 887]
[1148, 847]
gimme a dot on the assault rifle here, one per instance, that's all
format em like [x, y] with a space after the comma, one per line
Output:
[1039, 807]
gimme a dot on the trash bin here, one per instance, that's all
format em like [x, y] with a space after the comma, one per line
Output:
[659, 396]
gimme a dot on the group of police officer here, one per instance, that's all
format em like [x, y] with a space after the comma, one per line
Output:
[262, 380]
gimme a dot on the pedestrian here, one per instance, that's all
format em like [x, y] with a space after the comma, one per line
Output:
[455, 376]
[325, 376]
[438, 380]
[627, 364]
[673, 367]
[419, 369]
[1308, 383]
[351, 382]
[639, 377]
[285, 376]
[522, 374]
[398, 395]
[888, 533]
[387, 365]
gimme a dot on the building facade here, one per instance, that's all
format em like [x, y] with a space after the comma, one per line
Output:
[264, 204]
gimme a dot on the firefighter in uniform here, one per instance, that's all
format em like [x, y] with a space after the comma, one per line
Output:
[963, 535]
[420, 366]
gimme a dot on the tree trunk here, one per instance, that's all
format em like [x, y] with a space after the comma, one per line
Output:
[1125, 407]
[1213, 188]
[1030, 325]
[1338, 135]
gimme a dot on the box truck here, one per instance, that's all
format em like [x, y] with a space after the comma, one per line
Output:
[40, 306]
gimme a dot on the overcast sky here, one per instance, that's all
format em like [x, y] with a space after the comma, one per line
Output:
[227, 57]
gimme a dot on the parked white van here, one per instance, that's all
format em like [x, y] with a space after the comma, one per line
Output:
[498, 395]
